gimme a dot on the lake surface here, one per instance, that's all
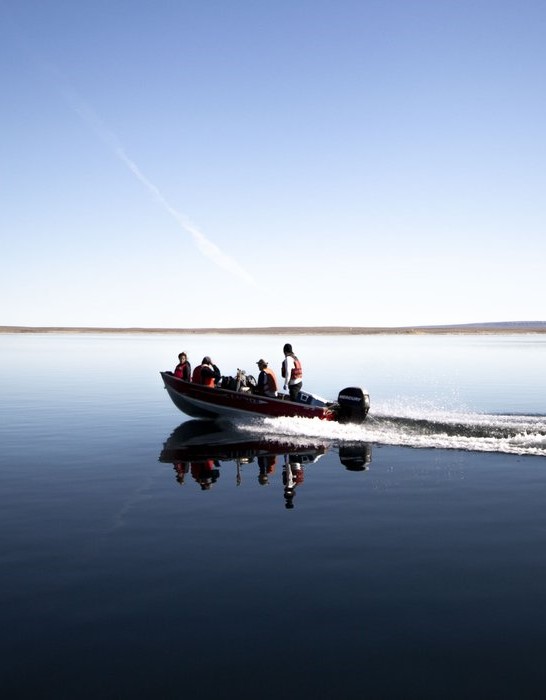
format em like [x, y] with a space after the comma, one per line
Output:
[145, 554]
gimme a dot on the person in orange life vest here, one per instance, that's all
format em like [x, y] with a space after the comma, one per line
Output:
[292, 372]
[267, 381]
[183, 368]
[206, 373]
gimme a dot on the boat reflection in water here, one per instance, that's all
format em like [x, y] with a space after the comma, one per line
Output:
[199, 448]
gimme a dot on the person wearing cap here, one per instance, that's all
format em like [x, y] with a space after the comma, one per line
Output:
[292, 372]
[183, 368]
[267, 381]
[207, 373]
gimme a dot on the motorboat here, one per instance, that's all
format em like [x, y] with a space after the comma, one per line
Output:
[198, 401]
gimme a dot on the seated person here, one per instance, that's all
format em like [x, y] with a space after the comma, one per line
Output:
[183, 368]
[267, 381]
[207, 373]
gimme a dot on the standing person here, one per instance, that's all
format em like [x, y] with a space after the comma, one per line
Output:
[207, 373]
[292, 372]
[267, 381]
[183, 368]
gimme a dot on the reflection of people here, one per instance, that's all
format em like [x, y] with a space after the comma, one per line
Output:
[292, 475]
[207, 373]
[183, 368]
[241, 460]
[181, 469]
[205, 473]
[266, 465]
[292, 372]
[267, 381]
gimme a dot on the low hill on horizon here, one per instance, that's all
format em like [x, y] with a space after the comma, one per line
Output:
[487, 327]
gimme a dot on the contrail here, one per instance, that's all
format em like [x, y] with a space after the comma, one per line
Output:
[53, 75]
[209, 249]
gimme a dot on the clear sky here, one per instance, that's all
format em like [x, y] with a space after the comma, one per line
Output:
[279, 162]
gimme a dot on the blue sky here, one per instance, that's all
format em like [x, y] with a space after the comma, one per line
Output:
[247, 163]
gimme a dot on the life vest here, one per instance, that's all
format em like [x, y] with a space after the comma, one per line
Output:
[181, 370]
[296, 375]
[198, 378]
[208, 381]
[271, 381]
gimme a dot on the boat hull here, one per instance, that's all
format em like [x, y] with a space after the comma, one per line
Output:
[200, 401]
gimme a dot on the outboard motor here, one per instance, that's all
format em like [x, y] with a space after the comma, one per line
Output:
[354, 404]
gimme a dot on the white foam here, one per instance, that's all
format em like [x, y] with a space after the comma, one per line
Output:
[428, 428]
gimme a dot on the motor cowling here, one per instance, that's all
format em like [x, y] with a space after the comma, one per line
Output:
[354, 404]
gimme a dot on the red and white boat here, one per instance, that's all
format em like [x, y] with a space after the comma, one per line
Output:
[198, 401]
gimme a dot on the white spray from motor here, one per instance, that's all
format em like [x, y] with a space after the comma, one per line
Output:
[509, 434]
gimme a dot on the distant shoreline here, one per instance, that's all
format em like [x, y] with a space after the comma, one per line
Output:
[464, 329]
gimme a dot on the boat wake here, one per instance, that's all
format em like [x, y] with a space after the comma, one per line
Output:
[509, 434]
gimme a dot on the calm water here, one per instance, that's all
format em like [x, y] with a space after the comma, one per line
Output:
[143, 555]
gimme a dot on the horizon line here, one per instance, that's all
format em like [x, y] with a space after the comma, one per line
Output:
[485, 327]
